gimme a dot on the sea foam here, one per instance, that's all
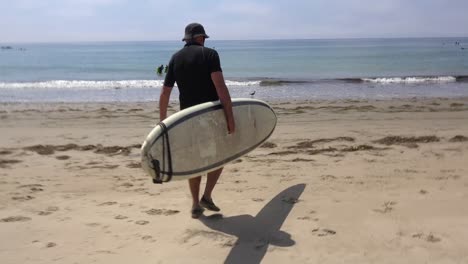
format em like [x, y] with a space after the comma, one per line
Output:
[82, 84]
[411, 80]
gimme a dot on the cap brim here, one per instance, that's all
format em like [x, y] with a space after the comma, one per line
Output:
[194, 36]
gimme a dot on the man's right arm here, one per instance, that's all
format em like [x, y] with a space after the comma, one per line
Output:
[166, 90]
[164, 102]
[225, 99]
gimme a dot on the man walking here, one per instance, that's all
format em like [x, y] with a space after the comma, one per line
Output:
[199, 77]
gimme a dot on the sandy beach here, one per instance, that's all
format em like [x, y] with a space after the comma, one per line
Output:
[338, 182]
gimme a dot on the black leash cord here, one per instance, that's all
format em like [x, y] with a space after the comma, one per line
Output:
[166, 150]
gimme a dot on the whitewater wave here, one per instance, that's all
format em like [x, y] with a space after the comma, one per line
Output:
[411, 80]
[242, 83]
[376, 80]
[139, 84]
[80, 84]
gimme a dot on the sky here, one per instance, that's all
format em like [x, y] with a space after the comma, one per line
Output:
[148, 20]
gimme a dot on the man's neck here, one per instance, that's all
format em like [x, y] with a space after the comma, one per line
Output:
[199, 40]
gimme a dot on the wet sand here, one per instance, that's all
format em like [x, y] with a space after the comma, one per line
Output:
[338, 182]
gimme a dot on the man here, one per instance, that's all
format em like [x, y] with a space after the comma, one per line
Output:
[199, 77]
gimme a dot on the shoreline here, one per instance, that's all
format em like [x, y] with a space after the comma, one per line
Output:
[269, 100]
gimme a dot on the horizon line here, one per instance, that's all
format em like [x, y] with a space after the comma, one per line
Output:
[260, 39]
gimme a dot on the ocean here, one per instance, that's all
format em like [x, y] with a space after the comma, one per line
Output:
[272, 69]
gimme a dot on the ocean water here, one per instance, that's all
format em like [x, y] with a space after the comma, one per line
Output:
[273, 69]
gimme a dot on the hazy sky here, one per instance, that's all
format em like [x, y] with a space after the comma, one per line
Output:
[102, 20]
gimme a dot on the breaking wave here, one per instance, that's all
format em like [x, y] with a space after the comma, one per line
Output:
[411, 80]
[80, 84]
[376, 80]
[139, 84]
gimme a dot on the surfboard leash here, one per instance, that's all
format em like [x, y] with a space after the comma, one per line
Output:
[166, 149]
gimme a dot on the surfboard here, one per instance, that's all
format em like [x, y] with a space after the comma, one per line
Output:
[195, 141]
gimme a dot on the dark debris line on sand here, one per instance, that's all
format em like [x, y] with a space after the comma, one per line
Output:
[396, 140]
[5, 163]
[15, 219]
[309, 146]
[458, 138]
[360, 148]
[268, 145]
[110, 150]
[311, 143]
[5, 152]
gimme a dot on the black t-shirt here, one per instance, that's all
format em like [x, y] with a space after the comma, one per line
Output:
[191, 69]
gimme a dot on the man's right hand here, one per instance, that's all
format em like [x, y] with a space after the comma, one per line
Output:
[231, 126]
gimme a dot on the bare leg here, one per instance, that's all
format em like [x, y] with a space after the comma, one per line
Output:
[194, 184]
[211, 181]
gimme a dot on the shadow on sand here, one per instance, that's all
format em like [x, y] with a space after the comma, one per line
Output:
[256, 233]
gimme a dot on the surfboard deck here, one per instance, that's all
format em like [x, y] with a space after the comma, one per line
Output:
[195, 141]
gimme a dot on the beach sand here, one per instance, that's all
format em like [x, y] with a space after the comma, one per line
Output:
[338, 182]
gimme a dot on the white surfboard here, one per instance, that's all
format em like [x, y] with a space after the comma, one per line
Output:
[195, 140]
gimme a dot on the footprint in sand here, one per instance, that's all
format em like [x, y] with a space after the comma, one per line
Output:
[327, 177]
[43, 213]
[195, 237]
[93, 224]
[238, 181]
[142, 222]
[33, 187]
[36, 189]
[147, 238]
[49, 210]
[387, 207]
[22, 198]
[429, 238]
[62, 157]
[161, 212]
[52, 208]
[126, 185]
[103, 252]
[134, 165]
[107, 203]
[323, 232]
[121, 217]
[51, 244]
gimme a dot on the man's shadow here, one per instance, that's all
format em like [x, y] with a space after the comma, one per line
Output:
[256, 233]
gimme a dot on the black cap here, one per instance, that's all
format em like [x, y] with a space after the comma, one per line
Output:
[194, 30]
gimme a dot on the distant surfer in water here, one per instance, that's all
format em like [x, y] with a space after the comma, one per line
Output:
[199, 77]
[159, 70]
